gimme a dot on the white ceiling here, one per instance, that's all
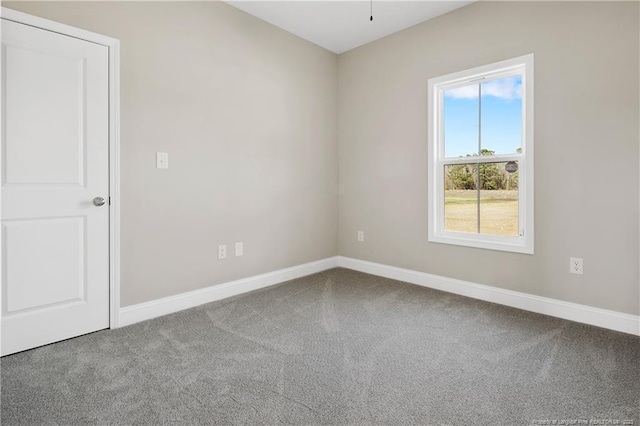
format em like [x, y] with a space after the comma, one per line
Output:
[342, 25]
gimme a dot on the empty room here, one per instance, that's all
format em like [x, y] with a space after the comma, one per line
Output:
[320, 212]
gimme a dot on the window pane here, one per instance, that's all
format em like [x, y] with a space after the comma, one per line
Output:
[501, 115]
[460, 198]
[499, 198]
[461, 129]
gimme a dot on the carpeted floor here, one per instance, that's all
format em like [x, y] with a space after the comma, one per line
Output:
[338, 347]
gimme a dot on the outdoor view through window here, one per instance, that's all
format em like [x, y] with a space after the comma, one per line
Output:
[482, 121]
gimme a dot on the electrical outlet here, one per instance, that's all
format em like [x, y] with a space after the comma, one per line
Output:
[575, 265]
[239, 248]
[222, 252]
[360, 236]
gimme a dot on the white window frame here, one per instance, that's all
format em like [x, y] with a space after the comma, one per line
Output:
[524, 243]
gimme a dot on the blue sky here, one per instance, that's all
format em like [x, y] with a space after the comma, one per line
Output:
[501, 117]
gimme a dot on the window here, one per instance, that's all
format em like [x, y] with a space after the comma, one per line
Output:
[481, 157]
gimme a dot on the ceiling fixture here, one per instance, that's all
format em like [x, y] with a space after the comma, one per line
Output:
[371, 17]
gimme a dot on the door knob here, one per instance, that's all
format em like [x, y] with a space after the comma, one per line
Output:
[98, 201]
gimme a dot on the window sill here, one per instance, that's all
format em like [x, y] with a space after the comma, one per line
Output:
[508, 244]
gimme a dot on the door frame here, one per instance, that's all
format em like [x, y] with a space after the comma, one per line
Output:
[114, 140]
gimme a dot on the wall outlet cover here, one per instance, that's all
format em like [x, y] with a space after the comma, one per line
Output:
[576, 265]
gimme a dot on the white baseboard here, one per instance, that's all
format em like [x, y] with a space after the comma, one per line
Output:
[168, 305]
[604, 318]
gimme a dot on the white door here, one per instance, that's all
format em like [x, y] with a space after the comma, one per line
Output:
[55, 162]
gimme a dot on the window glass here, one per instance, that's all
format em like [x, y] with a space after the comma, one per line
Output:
[499, 199]
[461, 198]
[501, 115]
[461, 112]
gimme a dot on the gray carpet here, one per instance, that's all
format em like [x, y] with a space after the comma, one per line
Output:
[338, 347]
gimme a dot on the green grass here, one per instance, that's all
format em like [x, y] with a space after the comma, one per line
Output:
[498, 212]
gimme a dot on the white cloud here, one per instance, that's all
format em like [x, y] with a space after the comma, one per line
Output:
[464, 92]
[504, 88]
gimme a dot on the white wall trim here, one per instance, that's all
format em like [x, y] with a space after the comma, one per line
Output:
[168, 305]
[114, 183]
[604, 318]
[56, 27]
[114, 139]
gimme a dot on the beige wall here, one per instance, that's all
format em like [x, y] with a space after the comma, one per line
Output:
[247, 113]
[586, 146]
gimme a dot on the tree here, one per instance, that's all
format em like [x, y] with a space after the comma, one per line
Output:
[461, 176]
[492, 176]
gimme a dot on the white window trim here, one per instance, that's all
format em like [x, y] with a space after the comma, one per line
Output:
[523, 243]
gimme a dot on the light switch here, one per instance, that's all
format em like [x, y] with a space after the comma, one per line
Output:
[162, 160]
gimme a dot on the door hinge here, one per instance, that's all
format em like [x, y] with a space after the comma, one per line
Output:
[109, 200]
